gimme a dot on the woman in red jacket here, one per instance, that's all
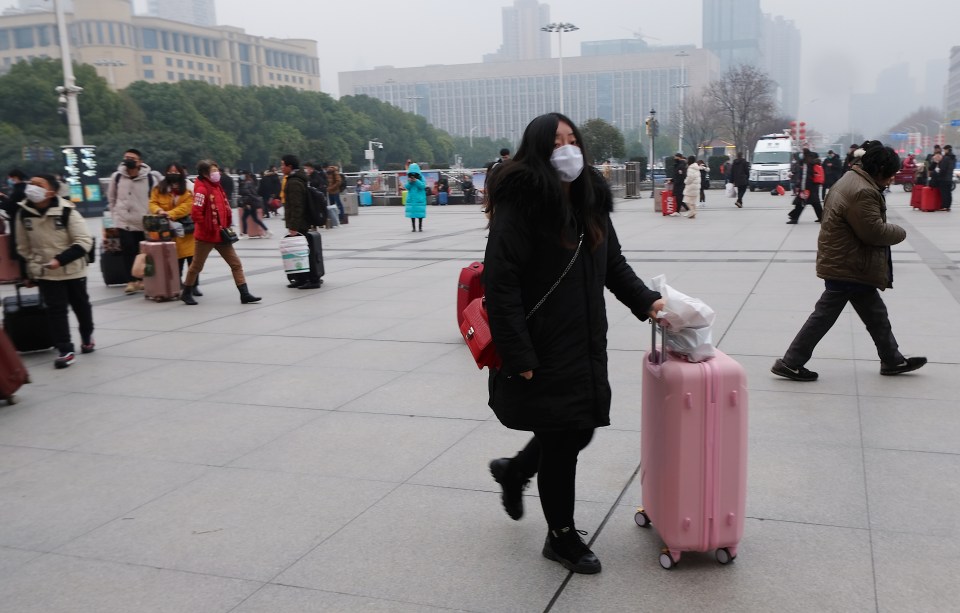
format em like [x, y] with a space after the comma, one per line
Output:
[212, 217]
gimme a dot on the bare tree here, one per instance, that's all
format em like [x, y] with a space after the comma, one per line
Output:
[744, 99]
[700, 121]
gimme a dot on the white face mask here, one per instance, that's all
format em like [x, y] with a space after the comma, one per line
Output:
[215, 177]
[36, 194]
[568, 160]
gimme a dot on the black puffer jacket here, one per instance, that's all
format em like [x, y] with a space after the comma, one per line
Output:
[565, 342]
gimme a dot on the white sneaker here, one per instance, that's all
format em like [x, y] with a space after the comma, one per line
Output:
[684, 214]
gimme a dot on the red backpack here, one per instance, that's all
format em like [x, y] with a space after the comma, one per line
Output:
[818, 176]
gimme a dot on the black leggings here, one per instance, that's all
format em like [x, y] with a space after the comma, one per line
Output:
[553, 457]
[58, 295]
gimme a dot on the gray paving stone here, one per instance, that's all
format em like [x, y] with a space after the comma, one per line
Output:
[800, 568]
[11, 559]
[427, 394]
[61, 584]
[184, 380]
[911, 424]
[63, 422]
[827, 419]
[12, 458]
[360, 446]
[52, 501]
[441, 530]
[916, 572]
[200, 433]
[233, 523]
[273, 598]
[913, 492]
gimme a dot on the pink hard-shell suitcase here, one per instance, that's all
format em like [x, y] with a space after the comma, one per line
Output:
[162, 281]
[693, 460]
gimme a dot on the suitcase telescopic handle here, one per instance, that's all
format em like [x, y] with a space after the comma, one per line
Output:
[661, 357]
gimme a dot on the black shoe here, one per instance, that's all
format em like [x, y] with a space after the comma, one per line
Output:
[186, 294]
[197, 292]
[311, 285]
[739, 204]
[792, 221]
[65, 360]
[245, 296]
[797, 374]
[295, 284]
[566, 546]
[88, 347]
[907, 365]
[512, 485]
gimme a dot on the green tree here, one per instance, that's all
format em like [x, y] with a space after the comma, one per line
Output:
[602, 141]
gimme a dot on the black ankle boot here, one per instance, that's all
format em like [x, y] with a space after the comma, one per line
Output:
[186, 294]
[196, 289]
[245, 296]
[512, 484]
[566, 547]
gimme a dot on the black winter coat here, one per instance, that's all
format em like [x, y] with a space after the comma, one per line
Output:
[565, 342]
[740, 172]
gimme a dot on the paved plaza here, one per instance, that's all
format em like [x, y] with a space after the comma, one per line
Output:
[327, 450]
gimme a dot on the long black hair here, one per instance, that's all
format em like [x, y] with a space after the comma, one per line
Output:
[166, 186]
[531, 170]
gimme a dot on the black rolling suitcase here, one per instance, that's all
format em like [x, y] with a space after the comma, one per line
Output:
[25, 321]
[113, 267]
[316, 258]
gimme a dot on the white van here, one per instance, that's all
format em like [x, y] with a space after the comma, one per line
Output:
[770, 165]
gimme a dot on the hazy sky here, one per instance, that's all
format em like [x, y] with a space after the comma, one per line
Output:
[844, 44]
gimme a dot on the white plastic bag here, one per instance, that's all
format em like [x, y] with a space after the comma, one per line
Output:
[689, 322]
[731, 190]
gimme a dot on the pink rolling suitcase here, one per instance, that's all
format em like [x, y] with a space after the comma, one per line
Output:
[162, 279]
[9, 267]
[693, 460]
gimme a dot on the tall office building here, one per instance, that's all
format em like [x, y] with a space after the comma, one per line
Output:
[732, 30]
[197, 12]
[522, 38]
[33, 6]
[780, 58]
[951, 101]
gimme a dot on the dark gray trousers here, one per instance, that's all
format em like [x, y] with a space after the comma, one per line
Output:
[872, 311]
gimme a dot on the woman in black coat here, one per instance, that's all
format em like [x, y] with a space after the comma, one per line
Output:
[551, 214]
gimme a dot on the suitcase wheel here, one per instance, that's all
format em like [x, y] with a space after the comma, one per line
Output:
[724, 556]
[642, 519]
[11, 400]
[667, 561]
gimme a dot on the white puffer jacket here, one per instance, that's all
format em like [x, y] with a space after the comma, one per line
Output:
[129, 197]
[691, 185]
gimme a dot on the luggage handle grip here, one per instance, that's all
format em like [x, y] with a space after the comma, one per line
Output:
[661, 357]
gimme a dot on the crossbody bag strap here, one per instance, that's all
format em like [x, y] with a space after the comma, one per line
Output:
[564, 274]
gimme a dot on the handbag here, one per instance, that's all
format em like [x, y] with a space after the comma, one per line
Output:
[476, 323]
[188, 224]
[228, 236]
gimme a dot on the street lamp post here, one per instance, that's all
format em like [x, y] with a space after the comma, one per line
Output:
[682, 86]
[369, 152]
[652, 130]
[474, 128]
[560, 28]
[69, 90]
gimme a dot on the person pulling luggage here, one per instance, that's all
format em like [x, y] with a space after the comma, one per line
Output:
[53, 240]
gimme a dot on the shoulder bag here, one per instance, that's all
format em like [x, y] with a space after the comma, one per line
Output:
[476, 323]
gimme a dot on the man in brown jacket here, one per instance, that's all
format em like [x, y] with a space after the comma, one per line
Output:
[854, 260]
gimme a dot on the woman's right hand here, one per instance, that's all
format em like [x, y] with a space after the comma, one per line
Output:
[527, 374]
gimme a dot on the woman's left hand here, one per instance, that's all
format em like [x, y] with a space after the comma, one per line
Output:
[53, 264]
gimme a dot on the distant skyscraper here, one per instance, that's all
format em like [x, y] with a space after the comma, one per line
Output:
[522, 38]
[732, 30]
[197, 12]
[934, 83]
[894, 97]
[951, 101]
[780, 58]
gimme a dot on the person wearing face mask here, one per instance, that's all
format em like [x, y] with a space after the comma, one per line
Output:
[211, 215]
[173, 198]
[550, 227]
[53, 240]
[128, 195]
[10, 200]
